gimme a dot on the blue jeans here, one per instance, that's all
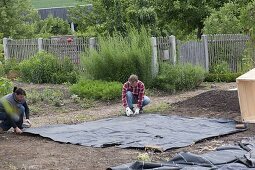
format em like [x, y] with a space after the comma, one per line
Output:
[6, 124]
[132, 99]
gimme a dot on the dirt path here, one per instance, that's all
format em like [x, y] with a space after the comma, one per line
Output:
[32, 152]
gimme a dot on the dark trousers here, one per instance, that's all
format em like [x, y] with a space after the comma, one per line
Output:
[6, 124]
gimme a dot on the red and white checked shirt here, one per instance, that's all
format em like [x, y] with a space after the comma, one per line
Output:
[137, 91]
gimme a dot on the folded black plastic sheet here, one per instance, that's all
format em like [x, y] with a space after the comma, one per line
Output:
[237, 157]
[146, 130]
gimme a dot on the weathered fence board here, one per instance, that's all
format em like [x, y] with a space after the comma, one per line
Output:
[164, 47]
[61, 48]
[192, 52]
[22, 49]
[227, 48]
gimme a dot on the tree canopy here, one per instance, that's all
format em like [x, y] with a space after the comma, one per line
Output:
[182, 18]
[16, 17]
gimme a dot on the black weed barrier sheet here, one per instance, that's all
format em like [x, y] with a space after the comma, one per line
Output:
[232, 157]
[146, 130]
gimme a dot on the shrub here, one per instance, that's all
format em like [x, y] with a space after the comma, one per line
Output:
[11, 65]
[5, 86]
[97, 89]
[119, 57]
[221, 68]
[226, 77]
[51, 25]
[1, 52]
[178, 77]
[2, 73]
[46, 68]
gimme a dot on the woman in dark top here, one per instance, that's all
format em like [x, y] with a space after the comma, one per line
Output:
[14, 111]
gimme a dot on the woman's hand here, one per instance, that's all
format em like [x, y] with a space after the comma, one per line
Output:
[17, 130]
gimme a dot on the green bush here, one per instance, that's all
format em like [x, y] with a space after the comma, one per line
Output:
[226, 77]
[1, 52]
[62, 77]
[119, 57]
[178, 77]
[97, 89]
[11, 65]
[2, 73]
[221, 68]
[46, 68]
[5, 86]
[53, 26]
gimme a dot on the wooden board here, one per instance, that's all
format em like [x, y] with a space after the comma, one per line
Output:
[246, 95]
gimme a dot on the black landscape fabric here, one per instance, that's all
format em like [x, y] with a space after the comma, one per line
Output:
[146, 130]
[240, 156]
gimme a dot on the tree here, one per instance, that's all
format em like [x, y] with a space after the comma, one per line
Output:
[141, 13]
[248, 18]
[224, 21]
[52, 26]
[16, 18]
[109, 16]
[188, 14]
[104, 17]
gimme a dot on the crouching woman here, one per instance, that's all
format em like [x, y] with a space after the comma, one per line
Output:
[14, 111]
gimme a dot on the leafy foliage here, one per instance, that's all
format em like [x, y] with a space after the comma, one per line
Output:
[226, 20]
[107, 17]
[222, 77]
[119, 57]
[53, 26]
[220, 68]
[10, 65]
[16, 17]
[247, 18]
[173, 78]
[46, 68]
[1, 52]
[97, 89]
[5, 86]
[189, 15]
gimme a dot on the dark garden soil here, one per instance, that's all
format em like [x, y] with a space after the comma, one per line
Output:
[33, 152]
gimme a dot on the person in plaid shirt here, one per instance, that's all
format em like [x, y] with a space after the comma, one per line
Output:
[133, 93]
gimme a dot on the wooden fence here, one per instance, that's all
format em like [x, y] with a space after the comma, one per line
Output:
[208, 52]
[228, 48]
[60, 46]
[20, 49]
[192, 52]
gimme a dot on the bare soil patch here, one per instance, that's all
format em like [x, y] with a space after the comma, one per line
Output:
[33, 152]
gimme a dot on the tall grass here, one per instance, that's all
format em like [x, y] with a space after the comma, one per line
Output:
[120, 56]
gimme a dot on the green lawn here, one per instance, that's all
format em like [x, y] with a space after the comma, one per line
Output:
[53, 3]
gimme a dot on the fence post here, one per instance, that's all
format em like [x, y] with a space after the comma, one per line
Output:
[40, 44]
[154, 63]
[92, 43]
[205, 42]
[173, 47]
[6, 50]
[72, 27]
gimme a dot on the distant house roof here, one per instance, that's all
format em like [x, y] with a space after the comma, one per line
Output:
[60, 12]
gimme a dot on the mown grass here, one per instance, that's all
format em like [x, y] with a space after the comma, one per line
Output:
[54, 3]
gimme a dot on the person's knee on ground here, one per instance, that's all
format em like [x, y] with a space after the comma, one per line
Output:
[146, 101]
[5, 125]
